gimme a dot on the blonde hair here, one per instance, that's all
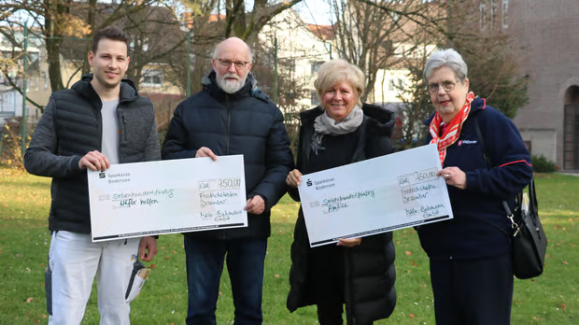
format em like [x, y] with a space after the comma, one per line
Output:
[336, 71]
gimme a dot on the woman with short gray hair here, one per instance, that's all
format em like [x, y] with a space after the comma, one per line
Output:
[485, 163]
[356, 272]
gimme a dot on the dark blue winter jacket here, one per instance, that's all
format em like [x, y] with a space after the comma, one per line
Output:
[244, 123]
[478, 211]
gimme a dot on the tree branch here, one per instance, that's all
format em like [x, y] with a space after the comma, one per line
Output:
[15, 86]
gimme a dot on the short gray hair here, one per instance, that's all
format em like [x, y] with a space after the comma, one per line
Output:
[446, 58]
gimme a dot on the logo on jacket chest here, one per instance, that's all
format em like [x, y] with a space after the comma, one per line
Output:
[465, 142]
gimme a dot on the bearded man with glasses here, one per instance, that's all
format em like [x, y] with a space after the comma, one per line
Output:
[231, 116]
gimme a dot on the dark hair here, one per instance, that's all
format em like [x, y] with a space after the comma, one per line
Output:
[112, 33]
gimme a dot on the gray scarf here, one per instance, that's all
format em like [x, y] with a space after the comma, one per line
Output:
[325, 125]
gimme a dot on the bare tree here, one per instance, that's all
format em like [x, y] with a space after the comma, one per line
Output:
[486, 48]
[56, 22]
[374, 34]
[208, 26]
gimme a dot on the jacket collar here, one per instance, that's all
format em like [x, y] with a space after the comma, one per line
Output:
[84, 88]
[385, 118]
[477, 105]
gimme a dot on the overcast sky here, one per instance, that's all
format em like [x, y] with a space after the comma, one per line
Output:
[314, 11]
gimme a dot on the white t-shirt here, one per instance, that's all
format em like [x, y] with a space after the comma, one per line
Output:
[111, 131]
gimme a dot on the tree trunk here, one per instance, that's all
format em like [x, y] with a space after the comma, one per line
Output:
[92, 23]
[53, 41]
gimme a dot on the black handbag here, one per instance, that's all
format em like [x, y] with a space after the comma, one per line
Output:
[529, 241]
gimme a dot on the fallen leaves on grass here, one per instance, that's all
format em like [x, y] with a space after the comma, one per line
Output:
[29, 300]
[276, 276]
[565, 262]
[412, 316]
[563, 306]
[408, 253]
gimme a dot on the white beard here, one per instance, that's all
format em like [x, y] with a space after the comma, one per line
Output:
[230, 86]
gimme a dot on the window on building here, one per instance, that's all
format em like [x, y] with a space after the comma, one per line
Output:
[315, 99]
[394, 85]
[45, 80]
[505, 14]
[152, 78]
[316, 66]
[483, 16]
[386, 81]
[292, 65]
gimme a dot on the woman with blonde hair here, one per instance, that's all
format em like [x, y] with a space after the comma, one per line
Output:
[356, 272]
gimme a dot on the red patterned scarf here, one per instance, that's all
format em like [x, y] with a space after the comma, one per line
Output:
[452, 132]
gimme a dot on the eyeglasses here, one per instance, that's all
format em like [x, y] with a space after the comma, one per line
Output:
[448, 86]
[227, 63]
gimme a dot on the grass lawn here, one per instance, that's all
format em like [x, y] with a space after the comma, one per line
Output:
[550, 299]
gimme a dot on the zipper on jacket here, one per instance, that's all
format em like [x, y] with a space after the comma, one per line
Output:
[100, 122]
[227, 138]
[228, 124]
[124, 133]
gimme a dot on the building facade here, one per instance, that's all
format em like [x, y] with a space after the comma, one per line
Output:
[548, 44]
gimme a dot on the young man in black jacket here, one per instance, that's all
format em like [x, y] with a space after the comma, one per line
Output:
[231, 116]
[80, 129]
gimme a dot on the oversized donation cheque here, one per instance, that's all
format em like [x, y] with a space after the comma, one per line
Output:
[391, 192]
[161, 197]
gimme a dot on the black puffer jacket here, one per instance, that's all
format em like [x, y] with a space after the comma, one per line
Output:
[245, 123]
[70, 127]
[369, 268]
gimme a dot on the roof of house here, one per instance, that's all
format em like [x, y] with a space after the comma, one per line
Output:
[325, 32]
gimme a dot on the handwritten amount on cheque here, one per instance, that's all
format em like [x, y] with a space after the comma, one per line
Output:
[127, 200]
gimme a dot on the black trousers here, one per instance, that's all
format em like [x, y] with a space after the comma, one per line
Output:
[473, 292]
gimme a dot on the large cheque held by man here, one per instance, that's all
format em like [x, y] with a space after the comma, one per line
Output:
[378, 195]
[161, 197]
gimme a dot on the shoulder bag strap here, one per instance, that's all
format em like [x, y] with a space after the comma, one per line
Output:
[510, 215]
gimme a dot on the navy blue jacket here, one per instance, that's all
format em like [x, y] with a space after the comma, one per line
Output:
[245, 123]
[478, 209]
